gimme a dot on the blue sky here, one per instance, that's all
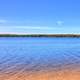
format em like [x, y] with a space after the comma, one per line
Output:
[39, 16]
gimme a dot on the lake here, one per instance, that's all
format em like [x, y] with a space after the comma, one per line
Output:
[36, 54]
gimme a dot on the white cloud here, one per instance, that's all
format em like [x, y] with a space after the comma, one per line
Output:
[3, 21]
[59, 23]
[32, 27]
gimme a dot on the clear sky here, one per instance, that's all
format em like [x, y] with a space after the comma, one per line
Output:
[40, 16]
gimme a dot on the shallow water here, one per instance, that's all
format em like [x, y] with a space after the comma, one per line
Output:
[35, 54]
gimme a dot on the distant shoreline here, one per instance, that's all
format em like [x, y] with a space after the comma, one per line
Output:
[39, 35]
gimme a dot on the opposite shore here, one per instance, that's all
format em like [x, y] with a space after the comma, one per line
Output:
[39, 35]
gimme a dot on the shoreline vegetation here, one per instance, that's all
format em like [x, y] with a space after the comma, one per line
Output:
[39, 35]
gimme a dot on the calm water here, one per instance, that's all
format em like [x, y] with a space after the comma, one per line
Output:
[28, 54]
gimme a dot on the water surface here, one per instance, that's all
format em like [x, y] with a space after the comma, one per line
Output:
[35, 54]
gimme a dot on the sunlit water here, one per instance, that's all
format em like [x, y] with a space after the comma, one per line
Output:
[34, 54]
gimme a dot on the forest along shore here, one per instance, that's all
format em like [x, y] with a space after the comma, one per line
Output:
[39, 35]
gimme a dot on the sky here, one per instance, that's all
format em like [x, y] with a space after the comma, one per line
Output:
[39, 16]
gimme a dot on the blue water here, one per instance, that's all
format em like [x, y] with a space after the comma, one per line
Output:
[34, 54]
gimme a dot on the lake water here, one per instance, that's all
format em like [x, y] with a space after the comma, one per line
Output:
[35, 54]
